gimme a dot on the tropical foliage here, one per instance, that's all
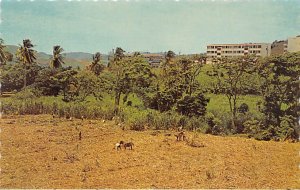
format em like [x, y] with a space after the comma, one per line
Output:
[57, 59]
[244, 95]
[26, 55]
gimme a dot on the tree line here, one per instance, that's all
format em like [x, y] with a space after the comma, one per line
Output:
[172, 88]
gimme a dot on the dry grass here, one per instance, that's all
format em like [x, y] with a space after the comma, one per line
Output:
[40, 153]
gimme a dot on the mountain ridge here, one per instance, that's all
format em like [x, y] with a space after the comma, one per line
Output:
[73, 59]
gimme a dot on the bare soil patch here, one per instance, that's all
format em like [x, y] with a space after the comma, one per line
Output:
[41, 152]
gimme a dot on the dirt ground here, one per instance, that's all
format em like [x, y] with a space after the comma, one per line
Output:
[39, 152]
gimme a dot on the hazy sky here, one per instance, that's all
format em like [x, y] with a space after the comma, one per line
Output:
[184, 26]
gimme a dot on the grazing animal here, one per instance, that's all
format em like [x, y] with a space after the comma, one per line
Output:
[180, 136]
[129, 145]
[82, 118]
[119, 145]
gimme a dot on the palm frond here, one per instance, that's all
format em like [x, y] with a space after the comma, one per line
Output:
[57, 58]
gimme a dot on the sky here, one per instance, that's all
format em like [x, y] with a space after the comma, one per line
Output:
[154, 26]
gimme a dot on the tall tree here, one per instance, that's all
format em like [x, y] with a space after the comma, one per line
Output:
[178, 79]
[119, 54]
[3, 57]
[96, 67]
[190, 70]
[66, 81]
[130, 75]
[279, 82]
[26, 55]
[57, 58]
[169, 56]
[232, 75]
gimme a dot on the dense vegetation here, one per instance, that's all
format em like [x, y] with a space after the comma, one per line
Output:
[244, 95]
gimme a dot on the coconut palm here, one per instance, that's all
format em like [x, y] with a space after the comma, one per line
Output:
[57, 59]
[26, 55]
[137, 54]
[96, 67]
[119, 54]
[169, 56]
[3, 57]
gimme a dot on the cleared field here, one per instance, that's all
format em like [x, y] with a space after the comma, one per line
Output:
[39, 152]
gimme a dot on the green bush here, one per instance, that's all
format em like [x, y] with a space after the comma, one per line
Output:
[192, 105]
[244, 108]
[287, 131]
[214, 125]
[261, 131]
[195, 123]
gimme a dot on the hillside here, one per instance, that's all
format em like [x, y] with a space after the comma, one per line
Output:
[41, 152]
[74, 59]
[78, 55]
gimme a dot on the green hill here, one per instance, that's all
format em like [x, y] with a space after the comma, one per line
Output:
[74, 59]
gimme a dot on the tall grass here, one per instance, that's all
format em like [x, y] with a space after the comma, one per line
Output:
[134, 115]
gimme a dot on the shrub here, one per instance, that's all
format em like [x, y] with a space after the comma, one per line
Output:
[244, 108]
[287, 131]
[192, 105]
[162, 101]
[195, 123]
[266, 135]
[26, 94]
[214, 125]
[261, 131]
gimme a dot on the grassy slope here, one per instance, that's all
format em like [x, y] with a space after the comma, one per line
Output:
[38, 152]
[218, 104]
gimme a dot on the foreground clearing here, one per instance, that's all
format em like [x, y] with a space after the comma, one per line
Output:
[39, 152]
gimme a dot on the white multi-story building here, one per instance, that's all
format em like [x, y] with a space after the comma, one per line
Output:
[293, 44]
[233, 50]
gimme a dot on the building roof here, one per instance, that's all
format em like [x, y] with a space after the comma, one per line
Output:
[237, 44]
[153, 55]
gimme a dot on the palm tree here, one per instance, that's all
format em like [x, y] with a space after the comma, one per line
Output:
[137, 54]
[3, 57]
[119, 54]
[26, 55]
[169, 56]
[57, 59]
[96, 67]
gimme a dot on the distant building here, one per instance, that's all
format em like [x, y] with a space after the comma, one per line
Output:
[293, 44]
[154, 59]
[279, 47]
[234, 50]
